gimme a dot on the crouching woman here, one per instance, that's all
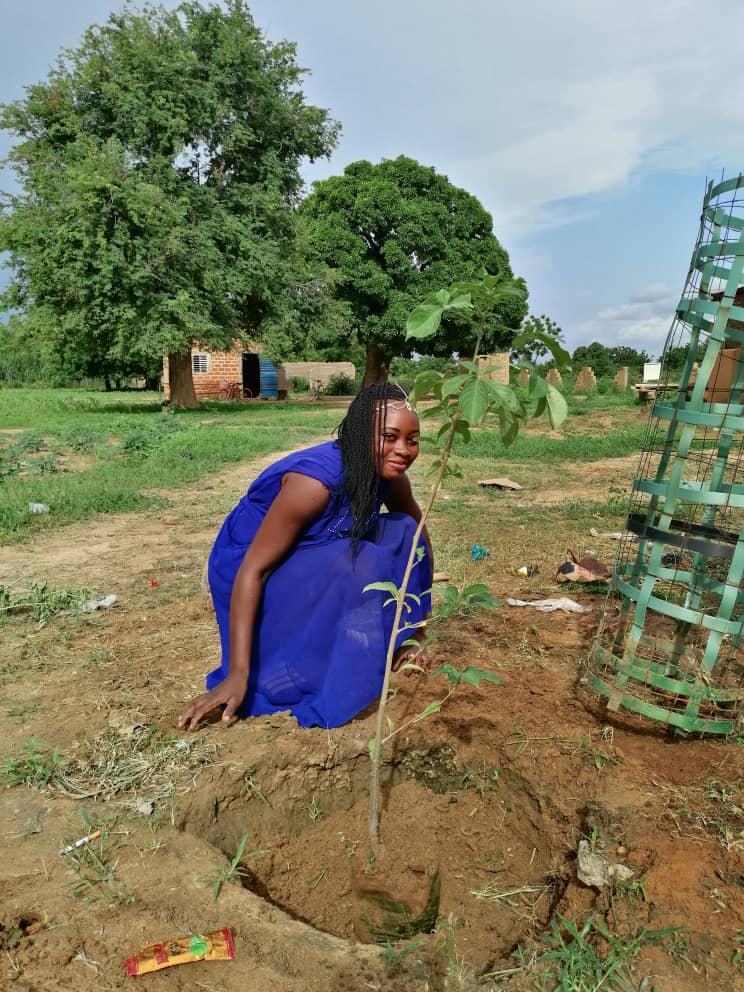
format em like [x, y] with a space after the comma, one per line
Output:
[291, 561]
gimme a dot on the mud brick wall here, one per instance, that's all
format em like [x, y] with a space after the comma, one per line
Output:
[585, 381]
[498, 366]
[314, 371]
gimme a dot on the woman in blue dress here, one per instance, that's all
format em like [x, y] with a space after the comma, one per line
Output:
[290, 563]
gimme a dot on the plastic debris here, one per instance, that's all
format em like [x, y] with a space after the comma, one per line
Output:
[216, 945]
[38, 508]
[92, 605]
[613, 535]
[528, 570]
[100, 604]
[549, 605]
[594, 869]
[478, 553]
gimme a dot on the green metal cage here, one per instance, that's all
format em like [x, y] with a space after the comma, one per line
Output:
[669, 642]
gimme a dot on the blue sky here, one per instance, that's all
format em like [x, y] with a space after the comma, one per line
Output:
[586, 128]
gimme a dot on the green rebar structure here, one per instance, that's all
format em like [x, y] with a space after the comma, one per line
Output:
[669, 641]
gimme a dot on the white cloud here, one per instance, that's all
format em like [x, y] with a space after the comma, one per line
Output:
[531, 106]
[536, 105]
[641, 322]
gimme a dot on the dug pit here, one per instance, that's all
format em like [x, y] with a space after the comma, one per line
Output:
[499, 845]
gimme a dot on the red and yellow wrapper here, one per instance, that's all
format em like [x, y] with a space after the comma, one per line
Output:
[217, 945]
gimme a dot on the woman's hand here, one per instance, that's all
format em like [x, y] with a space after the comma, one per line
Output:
[229, 694]
[413, 654]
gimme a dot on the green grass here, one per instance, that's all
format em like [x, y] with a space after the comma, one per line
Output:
[622, 441]
[588, 957]
[131, 449]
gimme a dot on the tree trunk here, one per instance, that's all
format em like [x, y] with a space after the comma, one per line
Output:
[377, 366]
[181, 381]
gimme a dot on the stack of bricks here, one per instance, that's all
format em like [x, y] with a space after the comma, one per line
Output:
[586, 381]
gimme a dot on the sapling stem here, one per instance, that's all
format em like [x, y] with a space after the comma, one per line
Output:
[373, 819]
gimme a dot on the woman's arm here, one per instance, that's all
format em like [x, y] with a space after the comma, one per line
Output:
[300, 500]
[400, 499]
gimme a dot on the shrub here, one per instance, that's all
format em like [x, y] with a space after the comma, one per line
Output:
[300, 384]
[340, 385]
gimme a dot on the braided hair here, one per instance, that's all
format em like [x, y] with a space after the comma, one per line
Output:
[359, 436]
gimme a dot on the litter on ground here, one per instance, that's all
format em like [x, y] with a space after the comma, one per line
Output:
[549, 605]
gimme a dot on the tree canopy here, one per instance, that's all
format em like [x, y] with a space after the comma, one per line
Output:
[159, 170]
[396, 231]
[606, 360]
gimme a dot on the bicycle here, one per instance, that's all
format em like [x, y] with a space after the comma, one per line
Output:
[232, 391]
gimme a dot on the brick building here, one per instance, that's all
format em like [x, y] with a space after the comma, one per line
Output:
[255, 376]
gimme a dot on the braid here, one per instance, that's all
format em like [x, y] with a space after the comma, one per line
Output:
[357, 441]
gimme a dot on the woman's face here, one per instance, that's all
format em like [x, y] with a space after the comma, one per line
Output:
[399, 443]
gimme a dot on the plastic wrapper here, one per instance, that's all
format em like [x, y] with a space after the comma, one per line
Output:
[217, 945]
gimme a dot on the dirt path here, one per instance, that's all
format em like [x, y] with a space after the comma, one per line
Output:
[111, 549]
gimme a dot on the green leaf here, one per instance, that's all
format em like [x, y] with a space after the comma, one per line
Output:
[452, 385]
[560, 355]
[474, 401]
[470, 366]
[477, 589]
[411, 666]
[474, 676]
[463, 430]
[452, 673]
[426, 382]
[508, 427]
[442, 297]
[383, 587]
[503, 395]
[429, 710]
[461, 302]
[538, 387]
[488, 281]
[424, 321]
[557, 407]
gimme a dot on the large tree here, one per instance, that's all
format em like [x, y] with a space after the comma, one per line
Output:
[396, 231]
[158, 172]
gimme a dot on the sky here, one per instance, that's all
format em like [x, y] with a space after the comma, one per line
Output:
[587, 128]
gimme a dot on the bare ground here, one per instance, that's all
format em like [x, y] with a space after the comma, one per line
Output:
[495, 791]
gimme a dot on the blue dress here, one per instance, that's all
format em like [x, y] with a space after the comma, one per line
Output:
[319, 642]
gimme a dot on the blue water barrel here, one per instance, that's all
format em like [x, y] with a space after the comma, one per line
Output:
[267, 372]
